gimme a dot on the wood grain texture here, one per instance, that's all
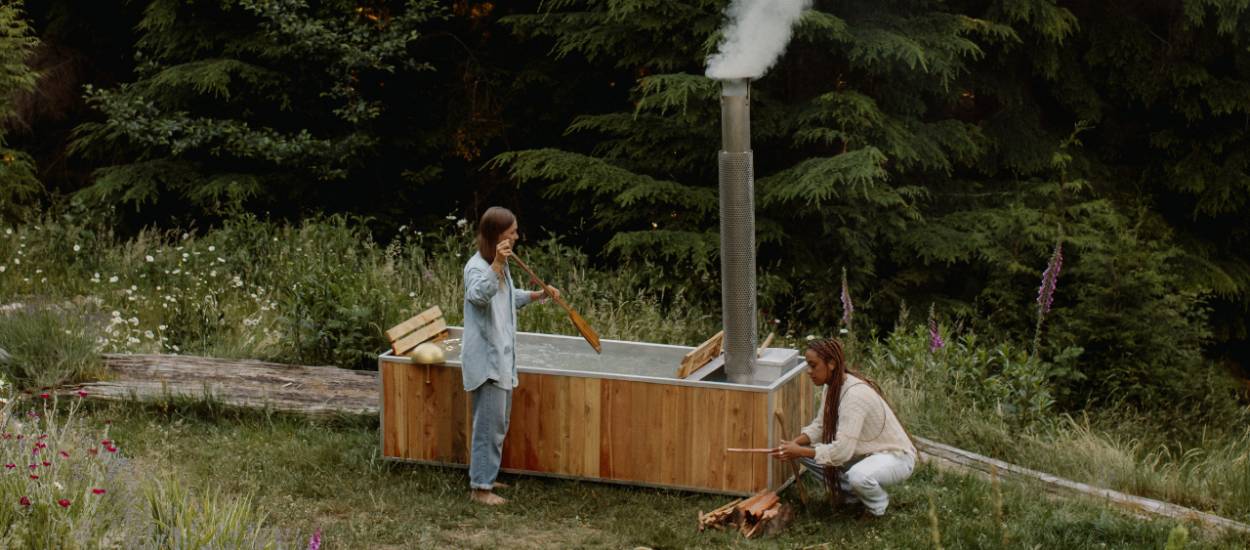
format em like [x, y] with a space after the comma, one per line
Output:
[699, 356]
[417, 321]
[411, 341]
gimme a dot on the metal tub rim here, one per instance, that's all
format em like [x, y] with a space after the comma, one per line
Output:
[785, 376]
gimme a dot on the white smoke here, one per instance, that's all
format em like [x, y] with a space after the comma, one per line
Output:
[758, 32]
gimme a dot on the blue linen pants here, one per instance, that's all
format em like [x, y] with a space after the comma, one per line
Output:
[863, 480]
[492, 406]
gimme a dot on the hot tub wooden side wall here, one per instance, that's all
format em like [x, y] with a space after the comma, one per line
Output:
[597, 428]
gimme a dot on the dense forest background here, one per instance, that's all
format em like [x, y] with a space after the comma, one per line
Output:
[937, 151]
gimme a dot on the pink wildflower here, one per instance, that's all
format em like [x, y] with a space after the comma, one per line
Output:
[935, 336]
[314, 543]
[1050, 278]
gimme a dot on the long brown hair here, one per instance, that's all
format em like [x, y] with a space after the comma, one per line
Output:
[495, 220]
[830, 351]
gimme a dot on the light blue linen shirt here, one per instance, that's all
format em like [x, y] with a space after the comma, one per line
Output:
[488, 345]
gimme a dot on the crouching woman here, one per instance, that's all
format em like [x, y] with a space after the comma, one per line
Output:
[856, 444]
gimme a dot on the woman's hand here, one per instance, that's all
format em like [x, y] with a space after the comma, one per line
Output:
[790, 450]
[503, 250]
[541, 297]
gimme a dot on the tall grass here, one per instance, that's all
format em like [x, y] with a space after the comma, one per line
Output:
[68, 484]
[320, 292]
[44, 347]
[994, 400]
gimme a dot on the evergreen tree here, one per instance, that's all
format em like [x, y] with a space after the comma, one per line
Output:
[263, 104]
[19, 188]
[918, 144]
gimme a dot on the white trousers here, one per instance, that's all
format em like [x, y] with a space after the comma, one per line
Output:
[863, 481]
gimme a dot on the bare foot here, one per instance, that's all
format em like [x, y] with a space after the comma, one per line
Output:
[486, 497]
[500, 485]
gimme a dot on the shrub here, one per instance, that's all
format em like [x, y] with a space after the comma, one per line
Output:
[45, 347]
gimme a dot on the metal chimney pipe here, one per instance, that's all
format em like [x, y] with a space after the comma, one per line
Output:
[737, 231]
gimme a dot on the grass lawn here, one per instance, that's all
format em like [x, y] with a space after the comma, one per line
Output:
[327, 474]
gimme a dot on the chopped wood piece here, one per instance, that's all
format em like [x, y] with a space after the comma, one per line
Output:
[718, 518]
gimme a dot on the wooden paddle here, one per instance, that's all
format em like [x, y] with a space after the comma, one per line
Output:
[583, 327]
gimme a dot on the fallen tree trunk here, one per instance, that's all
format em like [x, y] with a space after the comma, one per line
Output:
[984, 466]
[241, 383]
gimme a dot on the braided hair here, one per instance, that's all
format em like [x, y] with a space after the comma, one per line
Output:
[830, 350]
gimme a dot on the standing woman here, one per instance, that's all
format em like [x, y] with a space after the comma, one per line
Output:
[856, 444]
[488, 348]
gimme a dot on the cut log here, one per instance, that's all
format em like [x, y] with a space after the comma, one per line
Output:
[701, 355]
[240, 383]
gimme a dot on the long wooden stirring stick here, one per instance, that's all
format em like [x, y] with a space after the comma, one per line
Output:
[583, 327]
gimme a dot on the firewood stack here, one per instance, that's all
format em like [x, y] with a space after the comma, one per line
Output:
[762, 513]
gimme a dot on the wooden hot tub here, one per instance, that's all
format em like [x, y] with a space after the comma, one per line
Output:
[619, 417]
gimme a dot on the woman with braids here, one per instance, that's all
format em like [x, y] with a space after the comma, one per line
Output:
[855, 444]
[488, 349]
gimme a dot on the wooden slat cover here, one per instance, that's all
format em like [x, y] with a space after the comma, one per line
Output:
[407, 343]
[417, 321]
[701, 355]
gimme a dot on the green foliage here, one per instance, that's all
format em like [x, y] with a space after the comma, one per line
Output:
[42, 347]
[999, 379]
[209, 519]
[321, 292]
[19, 187]
[245, 102]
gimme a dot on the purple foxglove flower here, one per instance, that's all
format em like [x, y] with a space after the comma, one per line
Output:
[848, 309]
[935, 337]
[1046, 293]
[314, 543]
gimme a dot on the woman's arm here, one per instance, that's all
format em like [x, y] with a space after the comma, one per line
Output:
[480, 285]
[851, 413]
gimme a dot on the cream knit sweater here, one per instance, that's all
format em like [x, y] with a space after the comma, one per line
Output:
[866, 425]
